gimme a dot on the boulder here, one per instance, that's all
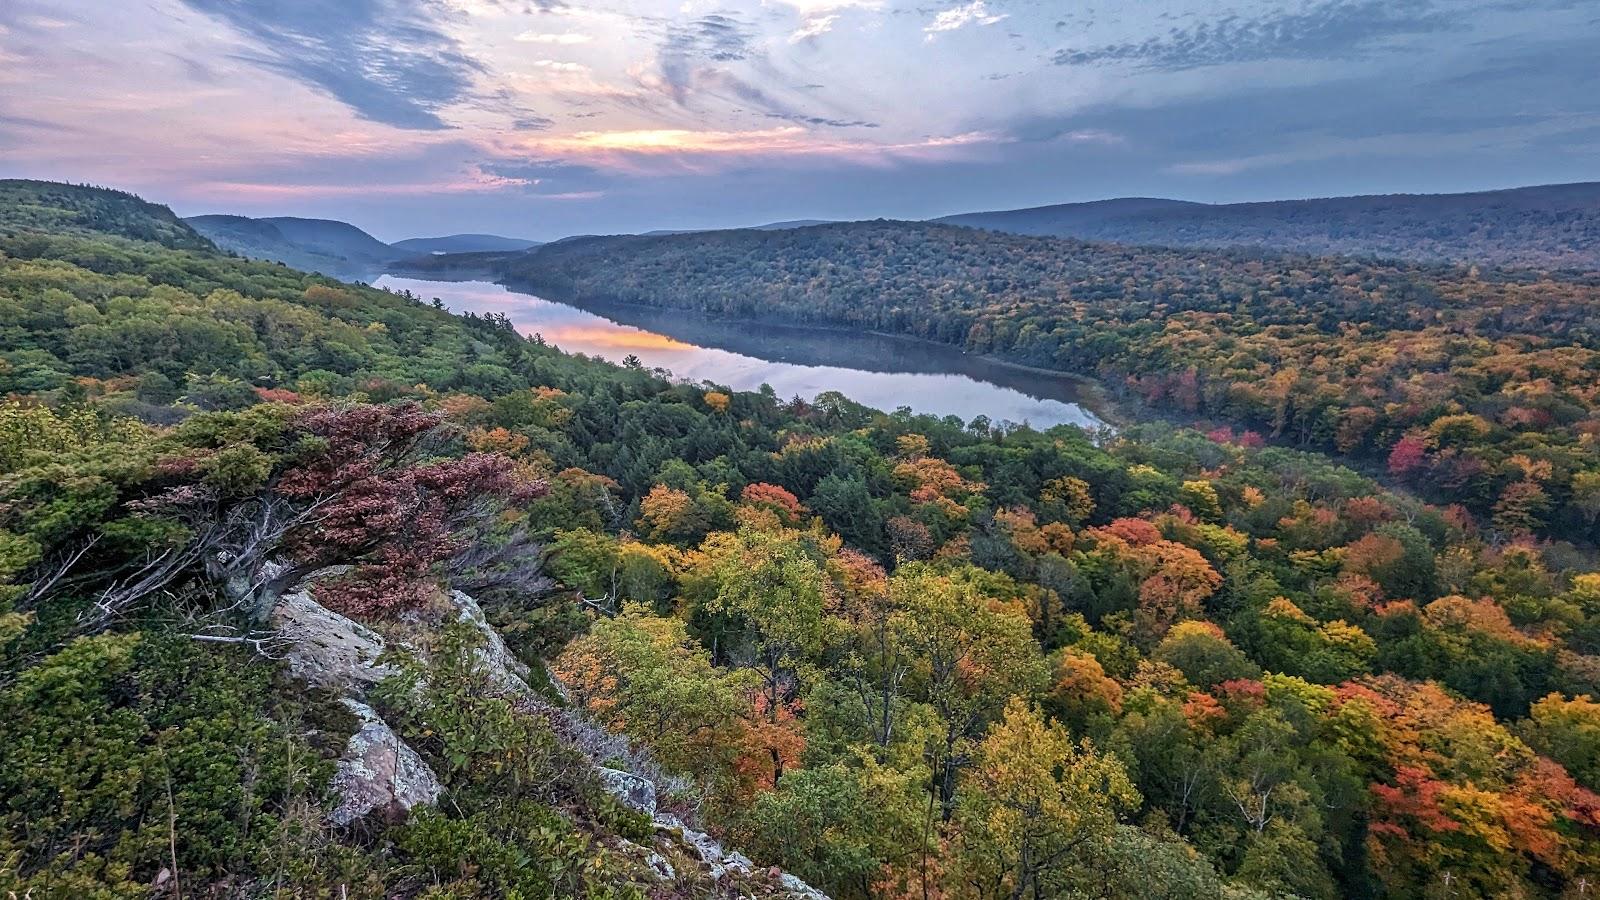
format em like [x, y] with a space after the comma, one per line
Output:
[659, 867]
[798, 889]
[325, 648]
[632, 790]
[719, 861]
[379, 772]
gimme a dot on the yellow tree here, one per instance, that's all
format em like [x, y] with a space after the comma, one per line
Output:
[970, 653]
[1034, 805]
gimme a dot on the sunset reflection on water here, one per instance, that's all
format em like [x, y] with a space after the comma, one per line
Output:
[892, 373]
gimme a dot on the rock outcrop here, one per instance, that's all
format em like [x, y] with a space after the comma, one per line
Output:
[507, 673]
[636, 792]
[379, 773]
[325, 648]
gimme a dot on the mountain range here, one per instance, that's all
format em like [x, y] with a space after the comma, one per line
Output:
[332, 247]
[1549, 226]
[1546, 227]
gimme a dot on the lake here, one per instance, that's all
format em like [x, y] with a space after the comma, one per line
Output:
[881, 371]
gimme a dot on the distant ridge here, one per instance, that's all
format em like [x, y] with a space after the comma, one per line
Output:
[770, 226]
[333, 247]
[1053, 219]
[1548, 226]
[315, 245]
[793, 223]
[464, 243]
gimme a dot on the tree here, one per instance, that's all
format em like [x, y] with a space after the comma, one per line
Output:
[1521, 508]
[1033, 803]
[969, 654]
[1408, 454]
[645, 677]
[839, 826]
[1081, 691]
[1567, 731]
[1292, 642]
[381, 506]
[1204, 655]
[773, 587]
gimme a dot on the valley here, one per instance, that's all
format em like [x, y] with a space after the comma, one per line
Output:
[799, 450]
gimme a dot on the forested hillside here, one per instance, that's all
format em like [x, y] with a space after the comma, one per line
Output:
[1551, 226]
[1474, 385]
[64, 209]
[463, 243]
[313, 245]
[895, 656]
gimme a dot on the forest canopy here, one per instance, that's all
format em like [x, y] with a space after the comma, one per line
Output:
[1474, 386]
[895, 655]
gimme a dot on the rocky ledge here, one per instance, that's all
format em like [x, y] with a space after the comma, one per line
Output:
[379, 775]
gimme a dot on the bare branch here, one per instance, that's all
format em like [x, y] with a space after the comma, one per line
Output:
[271, 645]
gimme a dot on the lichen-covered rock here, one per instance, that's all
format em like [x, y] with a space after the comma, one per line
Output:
[798, 889]
[632, 790]
[658, 864]
[507, 673]
[379, 772]
[325, 648]
[719, 861]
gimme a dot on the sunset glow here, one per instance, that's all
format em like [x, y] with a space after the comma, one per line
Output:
[552, 118]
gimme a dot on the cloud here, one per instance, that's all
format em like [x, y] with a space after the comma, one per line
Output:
[544, 176]
[974, 13]
[654, 151]
[1326, 29]
[714, 37]
[1091, 136]
[388, 60]
[565, 38]
[556, 65]
[718, 57]
[686, 50]
[1419, 143]
[822, 121]
[813, 27]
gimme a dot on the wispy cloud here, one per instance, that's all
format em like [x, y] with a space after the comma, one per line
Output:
[687, 49]
[679, 150]
[388, 60]
[813, 27]
[1328, 28]
[1417, 143]
[559, 65]
[565, 38]
[974, 13]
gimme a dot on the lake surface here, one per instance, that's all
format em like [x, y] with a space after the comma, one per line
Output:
[881, 371]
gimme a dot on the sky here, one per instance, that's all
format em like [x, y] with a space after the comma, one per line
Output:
[544, 118]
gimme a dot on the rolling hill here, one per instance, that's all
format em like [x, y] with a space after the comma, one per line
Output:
[464, 243]
[1349, 355]
[315, 245]
[1551, 226]
[332, 247]
[80, 210]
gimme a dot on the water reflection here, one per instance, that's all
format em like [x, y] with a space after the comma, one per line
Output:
[881, 371]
